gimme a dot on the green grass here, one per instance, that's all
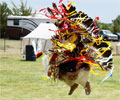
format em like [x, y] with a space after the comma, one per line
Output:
[22, 80]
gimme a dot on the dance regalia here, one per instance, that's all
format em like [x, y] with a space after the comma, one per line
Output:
[77, 46]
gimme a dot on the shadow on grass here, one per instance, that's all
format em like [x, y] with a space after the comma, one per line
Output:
[26, 60]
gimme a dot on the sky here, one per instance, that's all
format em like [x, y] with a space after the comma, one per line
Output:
[106, 10]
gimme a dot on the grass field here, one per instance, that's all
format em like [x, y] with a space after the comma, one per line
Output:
[23, 80]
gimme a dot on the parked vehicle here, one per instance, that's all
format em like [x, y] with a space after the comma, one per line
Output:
[118, 34]
[20, 26]
[108, 35]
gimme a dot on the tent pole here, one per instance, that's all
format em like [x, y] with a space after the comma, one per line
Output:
[20, 45]
[37, 44]
[29, 41]
[45, 45]
[21, 39]
[4, 43]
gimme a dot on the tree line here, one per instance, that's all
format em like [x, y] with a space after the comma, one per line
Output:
[113, 27]
[24, 10]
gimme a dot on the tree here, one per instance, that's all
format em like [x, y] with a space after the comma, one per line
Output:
[106, 27]
[103, 25]
[4, 12]
[116, 24]
[22, 10]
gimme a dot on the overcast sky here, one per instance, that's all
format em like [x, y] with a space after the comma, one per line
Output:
[107, 10]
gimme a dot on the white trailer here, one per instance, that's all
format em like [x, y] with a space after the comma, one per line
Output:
[19, 26]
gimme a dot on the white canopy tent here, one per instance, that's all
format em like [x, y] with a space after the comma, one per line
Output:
[40, 37]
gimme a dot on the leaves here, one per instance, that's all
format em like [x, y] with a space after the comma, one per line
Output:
[4, 12]
[22, 10]
[116, 24]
